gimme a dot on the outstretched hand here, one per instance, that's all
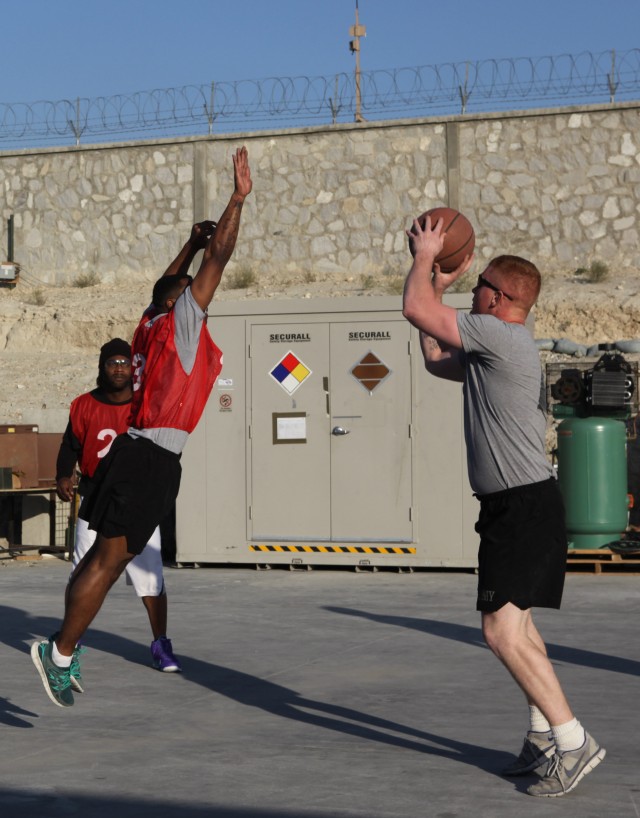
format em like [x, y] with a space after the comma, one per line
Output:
[242, 172]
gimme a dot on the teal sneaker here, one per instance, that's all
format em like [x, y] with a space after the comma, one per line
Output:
[56, 680]
[75, 673]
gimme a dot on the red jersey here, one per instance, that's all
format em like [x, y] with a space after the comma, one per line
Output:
[164, 395]
[95, 424]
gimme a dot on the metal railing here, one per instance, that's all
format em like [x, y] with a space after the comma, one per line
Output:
[223, 107]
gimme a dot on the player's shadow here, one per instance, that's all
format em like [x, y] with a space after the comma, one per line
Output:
[473, 636]
[253, 691]
[20, 628]
[12, 715]
[32, 803]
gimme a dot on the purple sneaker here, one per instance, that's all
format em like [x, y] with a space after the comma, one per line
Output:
[163, 658]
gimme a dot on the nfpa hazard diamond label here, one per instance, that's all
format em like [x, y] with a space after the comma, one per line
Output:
[290, 373]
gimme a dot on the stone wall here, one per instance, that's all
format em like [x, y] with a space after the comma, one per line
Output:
[561, 187]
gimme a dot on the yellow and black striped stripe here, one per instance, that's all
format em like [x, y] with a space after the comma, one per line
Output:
[332, 549]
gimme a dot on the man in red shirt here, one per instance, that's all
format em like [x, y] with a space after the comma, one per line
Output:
[95, 419]
[139, 478]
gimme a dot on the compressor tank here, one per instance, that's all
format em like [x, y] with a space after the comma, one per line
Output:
[592, 476]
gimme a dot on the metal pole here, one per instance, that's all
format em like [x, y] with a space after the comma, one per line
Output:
[356, 32]
[75, 126]
[210, 114]
[462, 90]
[611, 79]
[10, 238]
[334, 105]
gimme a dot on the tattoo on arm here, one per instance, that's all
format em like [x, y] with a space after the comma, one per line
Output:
[227, 231]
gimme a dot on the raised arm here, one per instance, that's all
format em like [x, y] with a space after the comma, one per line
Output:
[422, 302]
[223, 239]
[421, 305]
[200, 235]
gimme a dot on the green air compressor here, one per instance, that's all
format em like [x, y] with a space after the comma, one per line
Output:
[595, 401]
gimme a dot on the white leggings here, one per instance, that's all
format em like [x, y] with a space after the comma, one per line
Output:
[144, 571]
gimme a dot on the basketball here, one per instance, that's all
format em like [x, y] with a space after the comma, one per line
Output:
[459, 241]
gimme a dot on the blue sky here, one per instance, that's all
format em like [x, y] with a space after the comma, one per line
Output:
[84, 48]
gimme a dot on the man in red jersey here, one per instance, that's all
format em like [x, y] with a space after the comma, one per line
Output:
[175, 366]
[95, 419]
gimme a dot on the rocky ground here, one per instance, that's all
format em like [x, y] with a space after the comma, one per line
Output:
[49, 336]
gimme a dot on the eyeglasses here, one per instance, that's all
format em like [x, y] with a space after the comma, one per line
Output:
[113, 362]
[482, 282]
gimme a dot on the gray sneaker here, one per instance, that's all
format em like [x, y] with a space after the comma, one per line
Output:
[536, 751]
[55, 679]
[566, 770]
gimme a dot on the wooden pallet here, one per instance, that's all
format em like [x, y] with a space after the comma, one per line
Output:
[602, 561]
[27, 553]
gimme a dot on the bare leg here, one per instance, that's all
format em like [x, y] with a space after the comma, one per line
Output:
[157, 611]
[89, 587]
[535, 637]
[77, 570]
[514, 639]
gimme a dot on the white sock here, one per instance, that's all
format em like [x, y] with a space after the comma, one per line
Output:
[568, 736]
[537, 721]
[59, 659]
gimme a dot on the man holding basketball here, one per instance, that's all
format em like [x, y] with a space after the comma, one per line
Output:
[175, 366]
[523, 542]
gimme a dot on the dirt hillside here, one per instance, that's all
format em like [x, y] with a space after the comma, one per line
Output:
[49, 336]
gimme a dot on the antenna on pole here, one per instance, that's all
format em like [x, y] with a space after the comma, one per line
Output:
[356, 32]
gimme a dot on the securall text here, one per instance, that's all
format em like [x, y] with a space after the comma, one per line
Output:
[372, 335]
[287, 337]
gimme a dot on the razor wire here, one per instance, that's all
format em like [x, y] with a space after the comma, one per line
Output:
[280, 102]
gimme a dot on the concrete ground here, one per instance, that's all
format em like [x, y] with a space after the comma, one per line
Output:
[324, 694]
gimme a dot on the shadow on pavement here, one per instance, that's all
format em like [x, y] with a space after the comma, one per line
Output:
[35, 804]
[473, 636]
[253, 691]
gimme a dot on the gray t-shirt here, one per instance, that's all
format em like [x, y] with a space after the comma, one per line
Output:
[504, 415]
[189, 321]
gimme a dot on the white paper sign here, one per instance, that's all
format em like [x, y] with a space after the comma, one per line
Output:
[291, 428]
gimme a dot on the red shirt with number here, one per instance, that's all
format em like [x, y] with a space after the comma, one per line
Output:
[95, 423]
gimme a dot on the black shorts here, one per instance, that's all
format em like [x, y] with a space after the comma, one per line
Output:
[523, 547]
[134, 487]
